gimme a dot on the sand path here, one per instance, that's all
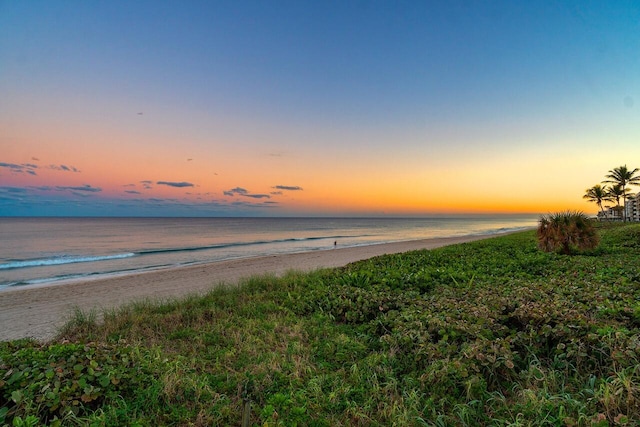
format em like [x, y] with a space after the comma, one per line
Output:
[39, 312]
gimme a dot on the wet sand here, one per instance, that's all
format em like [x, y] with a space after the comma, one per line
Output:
[38, 312]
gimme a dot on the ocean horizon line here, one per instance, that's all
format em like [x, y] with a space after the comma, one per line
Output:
[417, 216]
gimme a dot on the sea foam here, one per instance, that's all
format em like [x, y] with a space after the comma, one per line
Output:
[61, 260]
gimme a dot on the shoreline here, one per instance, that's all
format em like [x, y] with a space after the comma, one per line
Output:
[38, 311]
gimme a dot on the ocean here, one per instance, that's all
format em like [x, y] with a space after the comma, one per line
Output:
[37, 251]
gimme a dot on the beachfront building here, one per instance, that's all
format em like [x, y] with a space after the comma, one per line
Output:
[611, 213]
[632, 208]
[631, 211]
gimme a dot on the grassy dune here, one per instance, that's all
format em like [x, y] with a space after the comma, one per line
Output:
[493, 332]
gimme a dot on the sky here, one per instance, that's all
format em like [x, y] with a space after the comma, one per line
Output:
[314, 108]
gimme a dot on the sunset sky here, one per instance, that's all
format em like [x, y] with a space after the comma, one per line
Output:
[278, 108]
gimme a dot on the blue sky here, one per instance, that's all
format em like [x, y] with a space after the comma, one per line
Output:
[368, 107]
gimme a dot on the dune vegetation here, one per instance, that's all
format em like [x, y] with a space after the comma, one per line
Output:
[566, 232]
[494, 332]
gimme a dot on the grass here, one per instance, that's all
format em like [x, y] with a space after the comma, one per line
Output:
[494, 332]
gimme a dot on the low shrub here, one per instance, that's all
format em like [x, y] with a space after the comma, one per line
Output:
[62, 380]
[566, 232]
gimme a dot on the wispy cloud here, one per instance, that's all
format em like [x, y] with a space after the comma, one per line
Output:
[30, 168]
[84, 188]
[175, 184]
[288, 187]
[197, 194]
[12, 166]
[20, 168]
[236, 191]
[239, 191]
[132, 192]
[64, 168]
[81, 200]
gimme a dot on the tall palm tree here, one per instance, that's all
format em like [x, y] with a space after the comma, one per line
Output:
[597, 194]
[623, 176]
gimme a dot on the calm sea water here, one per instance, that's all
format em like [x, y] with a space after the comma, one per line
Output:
[43, 250]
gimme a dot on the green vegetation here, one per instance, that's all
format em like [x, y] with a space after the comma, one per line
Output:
[494, 332]
[566, 232]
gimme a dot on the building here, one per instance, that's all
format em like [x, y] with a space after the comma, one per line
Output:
[632, 208]
[611, 213]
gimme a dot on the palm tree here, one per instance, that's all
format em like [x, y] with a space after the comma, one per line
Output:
[597, 194]
[623, 176]
[614, 193]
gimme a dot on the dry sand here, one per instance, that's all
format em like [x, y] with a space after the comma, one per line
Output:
[39, 312]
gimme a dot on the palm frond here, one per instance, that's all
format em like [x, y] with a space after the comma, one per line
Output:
[566, 232]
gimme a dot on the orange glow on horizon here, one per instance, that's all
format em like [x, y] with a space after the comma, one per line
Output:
[122, 164]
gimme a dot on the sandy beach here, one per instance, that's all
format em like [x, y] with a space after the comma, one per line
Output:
[38, 312]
